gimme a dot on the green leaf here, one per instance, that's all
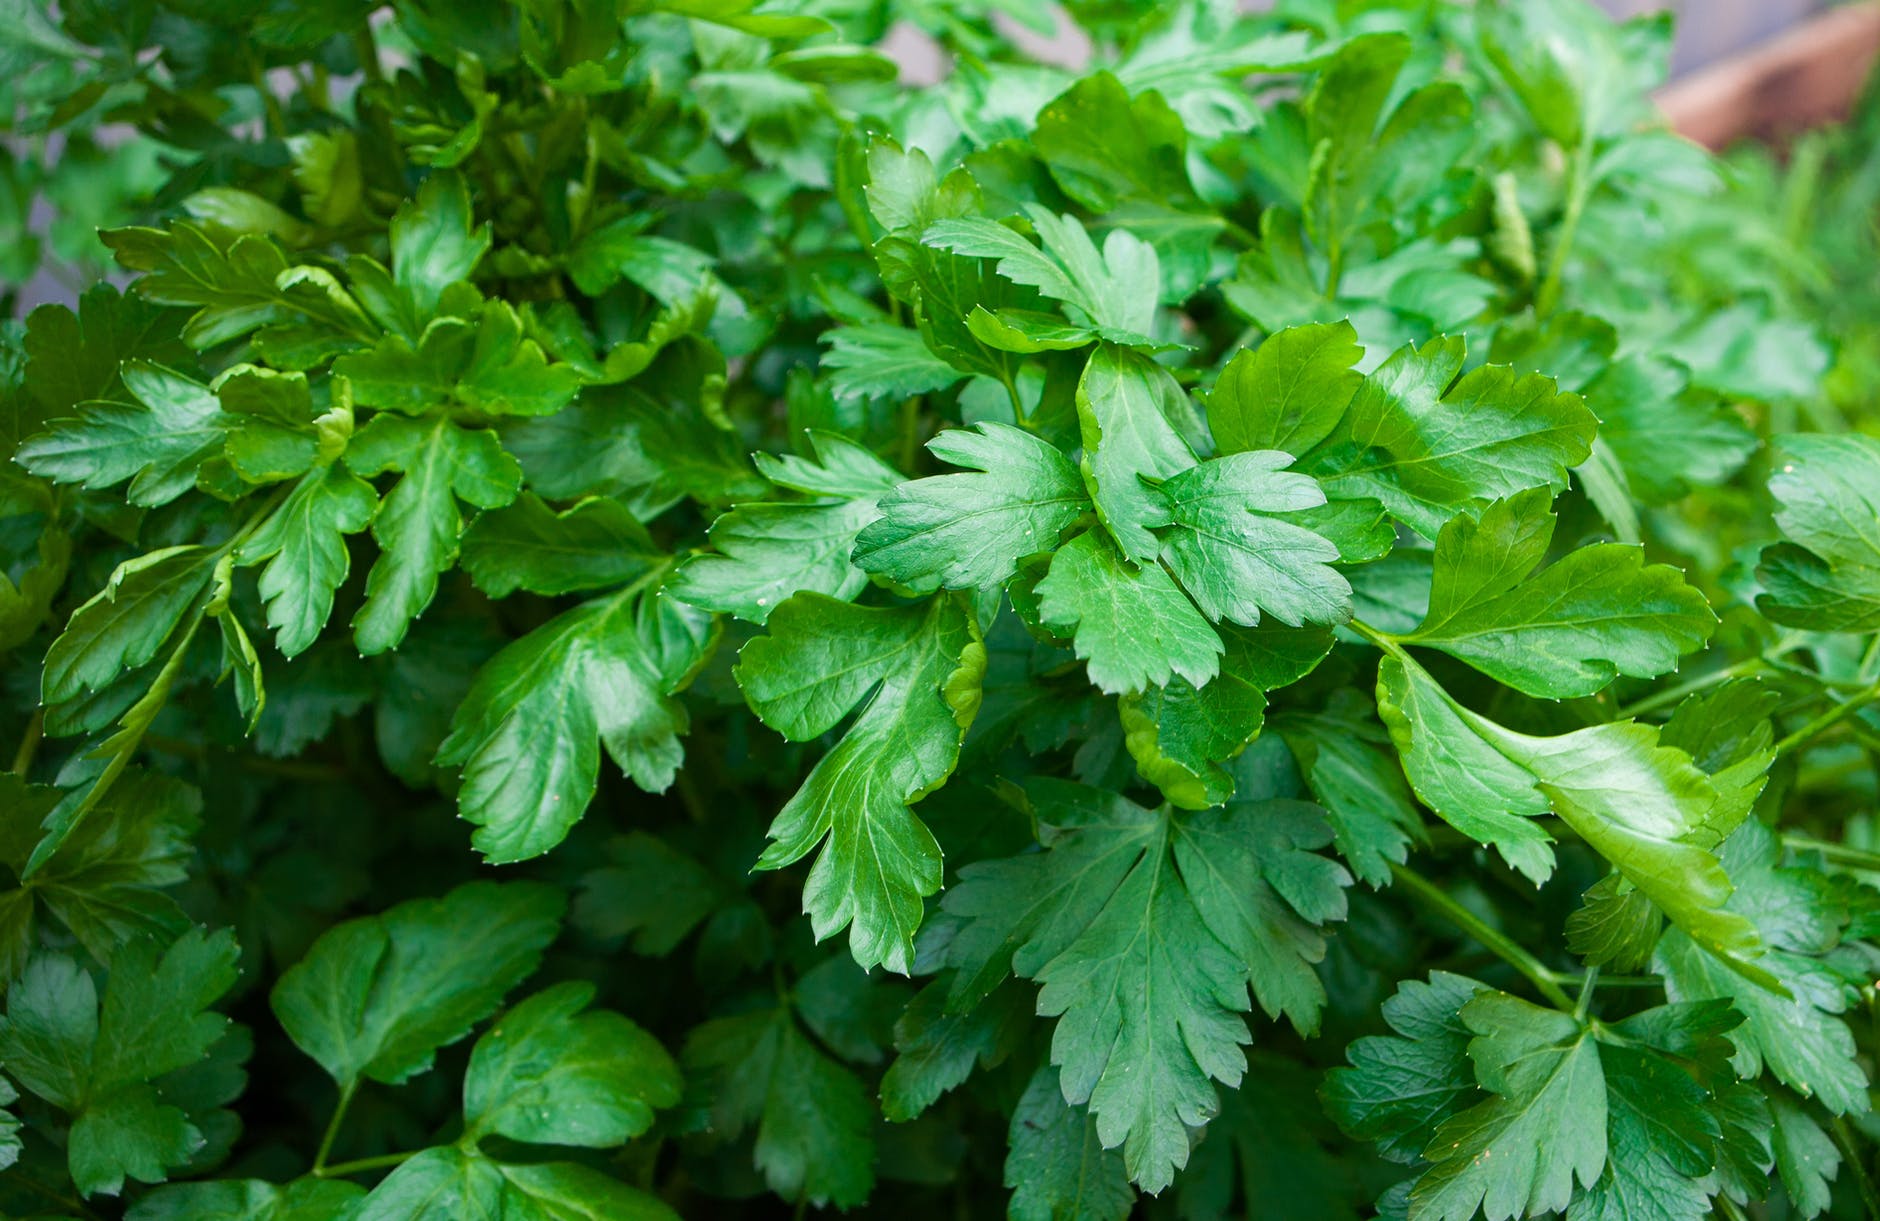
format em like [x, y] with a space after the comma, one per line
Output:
[1400, 1088]
[769, 551]
[529, 734]
[1234, 554]
[1570, 69]
[636, 450]
[912, 676]
[1345, 756]
[1057, 1167]
[486, 366]
[1460, 775]
[813, 1121]
[1134, 626]
[377, 996]
[651, 893]
[903, 191]
[237, 286]
[1806, 1157]
[433, 243]
[1127, 406]
[1145, 929]
[448, 1183]
[881, 360]
[527, 545]
[939, 1050]
[1568, 629]
[1662, 1132]
[75, 358]
[96, 1059]
[1643, 1114]
[1104, 147]
[418, 524]
[669, 271]
[1644, 806]
[1289, 393]
[303, 544]
[1114, 290]
[551, 1073]
[840, 468]
[1668, 437]
[128, 622]
[1520, 1152]
[1182, 736]
[1799, 1037]
[968, 531]
[272, 430]
[157, 441]
[1616, 925]
[328, 172]
[104, 880]
[1426, 443]
[1827, 575]
[249, 1200]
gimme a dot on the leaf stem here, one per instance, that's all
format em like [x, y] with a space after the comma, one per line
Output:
[1829, 719]
[1673, 695]
[327, 1137]
[1837, 854]
[366, 49]
[1493, 939]
[1863, 1181]
[908, 445]
[1382, 640]
[1579, 188]
[276, 122]
[29, 743]
[1585, 1000]
[361, 1165]
[1018, 404]
[1869, 658]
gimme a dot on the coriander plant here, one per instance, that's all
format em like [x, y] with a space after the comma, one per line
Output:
[1282, 624]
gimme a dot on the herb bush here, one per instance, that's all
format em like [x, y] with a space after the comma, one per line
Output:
[1299, 611]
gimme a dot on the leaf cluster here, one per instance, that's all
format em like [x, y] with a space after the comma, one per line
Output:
[1286, 621]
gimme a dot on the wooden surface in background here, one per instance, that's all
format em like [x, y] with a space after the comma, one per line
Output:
[1807, 76]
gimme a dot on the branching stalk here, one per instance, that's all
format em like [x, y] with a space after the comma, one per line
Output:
[1504, 947]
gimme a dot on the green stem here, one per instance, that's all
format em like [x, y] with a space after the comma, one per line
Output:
[331, 1134]
[1239, 233]
[1607, 981]
[1862, 1179]
[1493, 939]
[366, 48]
[1836, 854]
[1579, 188]
[1829, 719]
[1584, 1001]
[29, 743]
[1018, 404]
[360, 1166]
[1382, 640]
[270, 105]
[1672, 695]
[690, 797]
[909, 444]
